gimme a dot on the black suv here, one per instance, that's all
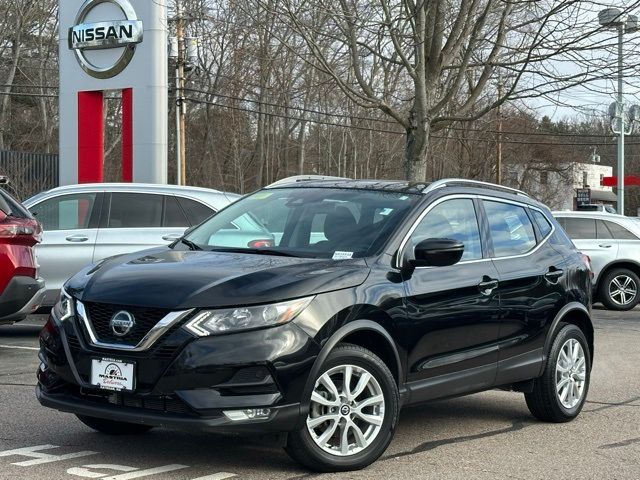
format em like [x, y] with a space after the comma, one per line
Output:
[353, 299]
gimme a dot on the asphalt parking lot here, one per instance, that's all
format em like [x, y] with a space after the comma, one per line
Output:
[484, 436]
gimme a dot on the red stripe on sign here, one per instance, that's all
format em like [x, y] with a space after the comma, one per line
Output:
[629, 180]
[127, 135]
[90, 137]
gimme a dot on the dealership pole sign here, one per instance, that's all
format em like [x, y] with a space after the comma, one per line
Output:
[110, 46]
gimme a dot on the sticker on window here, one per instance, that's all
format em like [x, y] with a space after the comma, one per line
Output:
[342, 255]
[386, 211]
[261, 195]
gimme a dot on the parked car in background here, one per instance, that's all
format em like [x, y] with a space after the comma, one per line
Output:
[86, 223]
[613, 244]
[21, 290]
[596, 207]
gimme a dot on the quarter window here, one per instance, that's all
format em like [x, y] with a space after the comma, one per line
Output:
[619, 232]
[542, 222]
[67, 212]
[455, 219]
[511, 229]
[196, 211]
[173, 215]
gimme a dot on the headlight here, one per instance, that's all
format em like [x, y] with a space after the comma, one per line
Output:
[63, 308]
[213, 322]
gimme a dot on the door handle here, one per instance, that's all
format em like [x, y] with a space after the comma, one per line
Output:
[604, 245]
[487, 286]
[171, 237]
[77, 238]
[553, 275]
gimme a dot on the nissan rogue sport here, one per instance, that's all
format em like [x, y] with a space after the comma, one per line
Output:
[372, 295]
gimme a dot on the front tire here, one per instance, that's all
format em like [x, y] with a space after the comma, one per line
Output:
[619, 289]
[353, 413]
[111, 427]
[559, 394]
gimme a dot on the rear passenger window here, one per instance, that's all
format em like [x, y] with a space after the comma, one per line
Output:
[173, 215]
[543, 223]
[511, 229]
[135, 210]
[196, 212]
[580, 228]
[619, 232]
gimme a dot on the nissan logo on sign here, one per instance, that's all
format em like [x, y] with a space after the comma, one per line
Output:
[122, 33]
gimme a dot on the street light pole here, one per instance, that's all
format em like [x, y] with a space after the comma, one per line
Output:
[621, 122]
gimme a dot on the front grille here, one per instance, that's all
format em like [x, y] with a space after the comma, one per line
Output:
[100, 315]
[150, 403]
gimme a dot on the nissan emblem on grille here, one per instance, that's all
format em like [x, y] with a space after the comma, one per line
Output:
[122, 323]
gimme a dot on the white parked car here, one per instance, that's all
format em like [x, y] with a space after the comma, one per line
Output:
[613, 244]
[86, 223]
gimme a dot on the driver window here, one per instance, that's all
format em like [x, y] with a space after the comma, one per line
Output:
[455, 219]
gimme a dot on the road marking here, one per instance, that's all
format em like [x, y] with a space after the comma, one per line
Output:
[147, 472]
[216, 476]
[17, 347]
[85, 470]
[40, 458]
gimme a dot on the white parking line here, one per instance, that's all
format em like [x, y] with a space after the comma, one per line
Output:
[18, 347]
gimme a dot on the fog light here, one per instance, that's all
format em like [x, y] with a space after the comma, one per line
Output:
[247, 414]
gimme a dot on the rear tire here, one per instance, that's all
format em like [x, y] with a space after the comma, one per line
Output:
[368, 413]
[559, 394]
[620, 289]
[111, 427]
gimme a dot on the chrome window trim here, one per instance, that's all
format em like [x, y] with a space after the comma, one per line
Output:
[152, 336]
[400, 255]
[472, 183]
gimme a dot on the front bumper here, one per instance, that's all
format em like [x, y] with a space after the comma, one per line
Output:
[183, 381]
[283, 418]
[20, 298]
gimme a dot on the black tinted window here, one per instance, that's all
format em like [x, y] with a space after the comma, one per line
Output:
[511, 230]
[619, 232]
[580, 228]
[173, 216]
[66, 212]
[543, 223]
[135, 210]
[602, 231]
[196, 211]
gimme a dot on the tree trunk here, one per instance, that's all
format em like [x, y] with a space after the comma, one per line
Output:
[416, 152]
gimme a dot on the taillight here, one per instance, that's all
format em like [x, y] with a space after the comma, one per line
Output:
[20, 229]
[260, 244]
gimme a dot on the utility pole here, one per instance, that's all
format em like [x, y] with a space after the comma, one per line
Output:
[180, 100]
[499, 128]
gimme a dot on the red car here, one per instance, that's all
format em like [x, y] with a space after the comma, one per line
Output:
[21, 290]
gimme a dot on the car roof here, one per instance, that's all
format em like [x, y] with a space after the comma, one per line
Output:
[594, 214]
[387, 185]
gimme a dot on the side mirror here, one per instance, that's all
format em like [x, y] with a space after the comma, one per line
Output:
[437, 252]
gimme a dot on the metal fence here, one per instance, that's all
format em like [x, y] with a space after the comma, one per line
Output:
[29, 173]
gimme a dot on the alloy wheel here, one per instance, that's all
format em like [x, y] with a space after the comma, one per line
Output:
[347, 410]
[623, 290]
[571, 373]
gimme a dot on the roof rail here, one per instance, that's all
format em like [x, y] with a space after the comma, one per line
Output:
[303, 178]
[446, 182]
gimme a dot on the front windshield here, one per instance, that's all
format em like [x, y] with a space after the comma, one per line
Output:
[306, 222]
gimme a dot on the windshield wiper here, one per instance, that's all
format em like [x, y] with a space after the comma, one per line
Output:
[258, 251]
[190, 244]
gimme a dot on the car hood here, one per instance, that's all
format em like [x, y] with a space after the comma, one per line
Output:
[174, 279]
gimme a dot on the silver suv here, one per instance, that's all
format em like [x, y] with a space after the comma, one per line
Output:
[613, 243]
[86, 223]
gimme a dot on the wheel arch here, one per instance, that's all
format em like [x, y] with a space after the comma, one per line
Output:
[364, 333]
[576, 314]
[628, 264]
